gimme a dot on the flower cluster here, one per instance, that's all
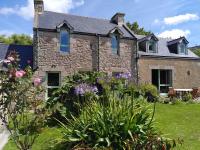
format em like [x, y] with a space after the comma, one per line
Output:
[123, 75]
[37, 81]
[84, 88]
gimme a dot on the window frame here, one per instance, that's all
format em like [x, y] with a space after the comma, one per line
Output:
[159, 79]
[154, 46]
[118, 44]
[60, 40]
[180, 48]
[52, 87]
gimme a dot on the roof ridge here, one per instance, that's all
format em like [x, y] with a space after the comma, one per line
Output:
[78, 15]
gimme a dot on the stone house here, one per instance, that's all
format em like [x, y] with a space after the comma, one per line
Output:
[65, 44]
[167, 63]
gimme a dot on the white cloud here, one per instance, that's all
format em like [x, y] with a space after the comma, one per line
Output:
[174, 33]
[6, 10]
[6, 32]
[27, 11]
[180, 19]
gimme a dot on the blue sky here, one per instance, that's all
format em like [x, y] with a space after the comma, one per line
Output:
[171, 18]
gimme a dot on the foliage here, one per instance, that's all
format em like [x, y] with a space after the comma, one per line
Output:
[121, 124]
[68, 99]
[20, 107]
[20, 39]
[136, 29]
[187, 97]
[150, 92]
[197, 52]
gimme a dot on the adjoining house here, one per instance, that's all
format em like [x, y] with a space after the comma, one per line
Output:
[25, 52]
[167, 63]
[64, 44]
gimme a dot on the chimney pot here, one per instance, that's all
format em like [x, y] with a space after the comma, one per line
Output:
[39, 6]
[118, 18]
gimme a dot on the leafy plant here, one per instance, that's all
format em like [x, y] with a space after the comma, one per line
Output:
[121, 124]
[187, 97]
[21, 109]
[150, 92]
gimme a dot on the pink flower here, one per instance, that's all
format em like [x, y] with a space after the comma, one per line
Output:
[6, 61]
[19, 74]
[11, 58]
[37, 81]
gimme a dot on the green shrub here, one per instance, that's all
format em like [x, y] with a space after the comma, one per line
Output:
[64, 101]
[187, 97]
[150, 92]
[121, 124]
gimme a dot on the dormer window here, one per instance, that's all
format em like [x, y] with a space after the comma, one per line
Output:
[182, 48]
[64, 41]
[152, 46]
[178, 46]
[115, 44]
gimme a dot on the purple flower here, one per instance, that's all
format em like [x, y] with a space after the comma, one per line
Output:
[84, 88]
[94, 89]
[123, 75]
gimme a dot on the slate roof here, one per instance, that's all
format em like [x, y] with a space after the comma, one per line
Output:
[50, 20]
[25, 53]
[163, 50]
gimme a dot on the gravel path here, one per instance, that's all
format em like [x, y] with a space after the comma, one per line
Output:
[4, 136]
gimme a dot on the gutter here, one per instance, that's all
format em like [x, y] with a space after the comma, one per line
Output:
[169, 57]
[137, 65]
[98, 53]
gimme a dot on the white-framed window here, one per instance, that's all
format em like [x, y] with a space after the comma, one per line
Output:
[64, 41]
[152, 46]
[182, 48]
[53, 82]
[115, 44]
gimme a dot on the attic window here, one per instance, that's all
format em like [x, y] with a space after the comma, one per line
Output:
[64, 41]
[152, 45]
[182, 48]
[115, 44]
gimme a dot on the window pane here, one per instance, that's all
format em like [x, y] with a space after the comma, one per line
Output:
[165, 77]
[152, 46]
[53, 79]
[64, 41]
[155, 79]
[182, 48]
[115, 44]
[164, 89]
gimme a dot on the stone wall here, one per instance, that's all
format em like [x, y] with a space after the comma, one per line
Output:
[185, 73]
[83, 54]
[124, 62]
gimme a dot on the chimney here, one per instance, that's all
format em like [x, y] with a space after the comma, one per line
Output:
[39, 6]
[118, 19]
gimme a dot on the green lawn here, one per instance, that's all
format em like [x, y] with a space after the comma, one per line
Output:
[43, 142]
[180, 121]
[174, 121]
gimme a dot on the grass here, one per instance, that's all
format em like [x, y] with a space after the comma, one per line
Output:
[180, 121]
[43, 142]
[174, 121]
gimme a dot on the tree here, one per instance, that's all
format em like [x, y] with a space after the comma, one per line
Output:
[137, 29]
[20, 39]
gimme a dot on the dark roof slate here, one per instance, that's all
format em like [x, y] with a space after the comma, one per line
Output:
[25, 52]
[50, 20]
